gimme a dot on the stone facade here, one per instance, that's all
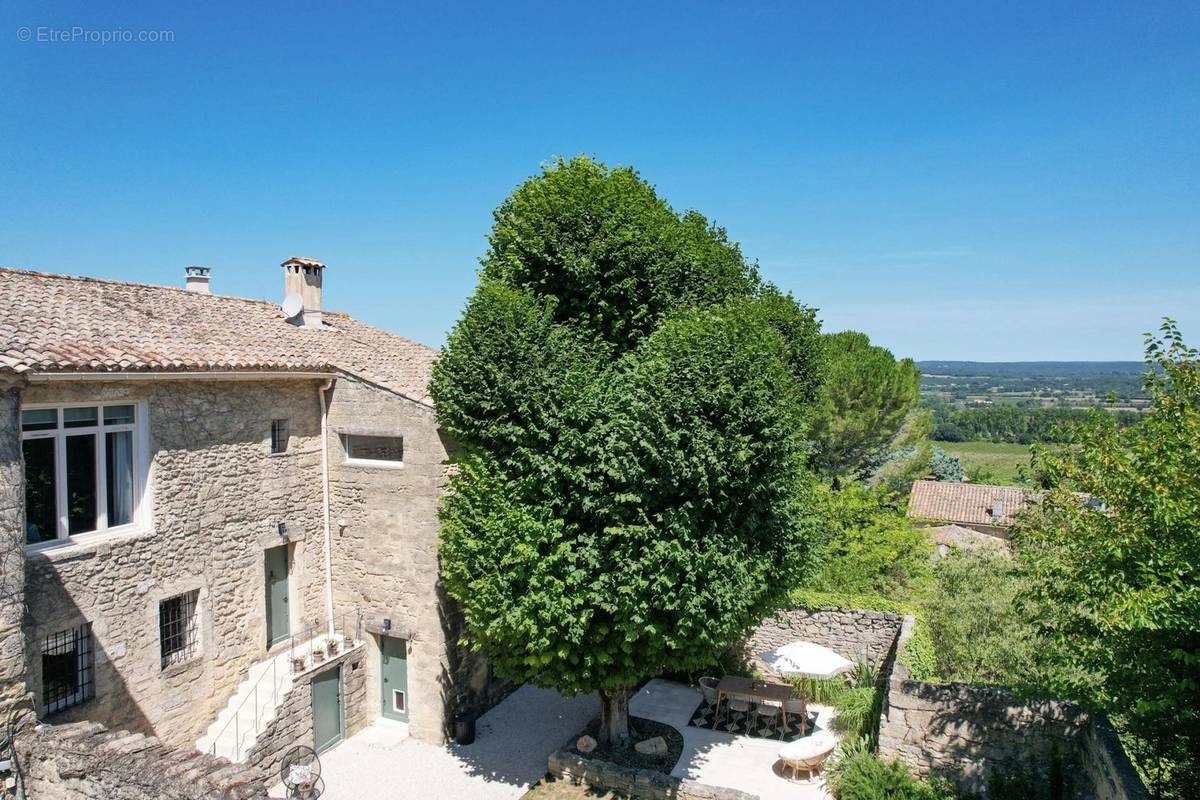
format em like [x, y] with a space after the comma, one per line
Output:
[977, 734]
[12, 567]
[856, 635]
[385, 553]
[293, 724]
[218, 498]
[84, 761]
[631, 782]
[217, 495]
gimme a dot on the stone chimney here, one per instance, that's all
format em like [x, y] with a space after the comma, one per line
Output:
[197, 278]
[302, 276]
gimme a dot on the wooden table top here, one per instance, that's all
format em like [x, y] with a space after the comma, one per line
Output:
[747, 687]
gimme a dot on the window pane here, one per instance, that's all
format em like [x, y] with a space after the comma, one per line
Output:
[119, 473]
[118, 415]
[39, 419]
[79, 417]
[81, 483]
[67, 676]
[375, 448]
[41, 518]
[279, 435]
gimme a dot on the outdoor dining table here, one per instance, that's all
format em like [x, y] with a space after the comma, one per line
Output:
[737, 686]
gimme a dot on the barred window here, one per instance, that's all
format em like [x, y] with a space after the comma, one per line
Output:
[279, 435]
[177, 629]
[68, 678]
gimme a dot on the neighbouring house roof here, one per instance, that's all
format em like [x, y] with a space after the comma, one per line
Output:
[60, 323]
[966, 503]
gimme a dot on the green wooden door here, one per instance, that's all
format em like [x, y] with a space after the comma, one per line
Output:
[327, 708]
[394, 677]
[278, 623]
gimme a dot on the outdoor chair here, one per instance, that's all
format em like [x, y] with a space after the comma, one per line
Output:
[739, 706]
[796, 707]
[768, 715]
[708, 688]
[806, 754]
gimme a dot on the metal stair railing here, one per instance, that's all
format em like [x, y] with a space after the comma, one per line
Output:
[237, 712]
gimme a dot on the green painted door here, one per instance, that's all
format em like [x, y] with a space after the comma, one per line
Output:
[327, 708]
[278, 622]
[394, 677]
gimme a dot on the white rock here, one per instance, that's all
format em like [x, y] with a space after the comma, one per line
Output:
[652, 747]
[585, 744]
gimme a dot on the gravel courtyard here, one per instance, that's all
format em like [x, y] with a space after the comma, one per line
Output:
[508, 756]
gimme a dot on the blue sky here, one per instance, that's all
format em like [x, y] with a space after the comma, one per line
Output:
[988, 181]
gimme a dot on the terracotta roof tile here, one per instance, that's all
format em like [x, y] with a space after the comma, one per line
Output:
[969, 503]
[63, 323]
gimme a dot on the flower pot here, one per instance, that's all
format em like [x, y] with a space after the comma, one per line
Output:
[318, 656]
[298, 664]
[333, 647]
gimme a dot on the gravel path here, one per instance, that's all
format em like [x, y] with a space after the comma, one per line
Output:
[508, 756]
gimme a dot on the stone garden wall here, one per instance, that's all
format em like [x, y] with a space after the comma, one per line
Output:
[293, 722]
[642, 783]
[979, 735]
[856, 635]
[12, 541]
[85, 761]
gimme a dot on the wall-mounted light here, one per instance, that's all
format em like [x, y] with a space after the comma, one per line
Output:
[281, 528]
[387, 624]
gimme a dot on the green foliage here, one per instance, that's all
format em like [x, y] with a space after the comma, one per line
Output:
[1122, 570]
[633, 492]
[612, 253]
[946, 467]
[858, 710]
[1018, 425]
[919, 653]
[866, 400]
[872, 547]
[856, 774]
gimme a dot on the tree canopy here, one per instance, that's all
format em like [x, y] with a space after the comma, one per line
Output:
[1115, 550]
[866, 400]
[631, 402]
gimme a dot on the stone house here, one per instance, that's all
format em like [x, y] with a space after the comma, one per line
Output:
[978, 507]
[198, 490]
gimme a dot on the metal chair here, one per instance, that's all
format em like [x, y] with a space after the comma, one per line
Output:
[798, 707]
[708, 688]
[739, 706]
[769, 715]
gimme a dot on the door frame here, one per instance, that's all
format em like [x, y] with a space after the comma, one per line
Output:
[267, 607]
[341, 706]
[406, 714]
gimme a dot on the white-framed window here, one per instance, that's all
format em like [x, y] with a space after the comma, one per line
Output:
[85, 468]
[179, 628]
[373, 450]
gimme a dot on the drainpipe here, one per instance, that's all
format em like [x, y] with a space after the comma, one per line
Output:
[325, 504]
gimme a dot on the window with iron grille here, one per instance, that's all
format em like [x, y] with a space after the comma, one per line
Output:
[177, 629]
[279, 435]
[68, 678]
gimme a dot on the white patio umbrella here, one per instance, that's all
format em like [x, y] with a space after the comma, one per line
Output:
[806, 658]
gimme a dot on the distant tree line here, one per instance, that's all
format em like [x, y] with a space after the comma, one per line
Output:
[1015, 425]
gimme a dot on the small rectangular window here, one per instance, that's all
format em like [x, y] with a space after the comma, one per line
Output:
[79, 417]
[385, 449]
[118, 415]
[177, 629]
[279, 435]
[39, 419]
[67, 674]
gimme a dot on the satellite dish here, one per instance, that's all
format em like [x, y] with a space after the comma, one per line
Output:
[292, 305]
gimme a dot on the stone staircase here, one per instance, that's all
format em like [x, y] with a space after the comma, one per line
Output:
[251, 708]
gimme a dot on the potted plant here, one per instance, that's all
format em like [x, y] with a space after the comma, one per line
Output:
[347, 641]
[297, 664]
[318, 655]
[332, 645]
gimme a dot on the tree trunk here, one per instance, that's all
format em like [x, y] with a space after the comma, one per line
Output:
[614, 716]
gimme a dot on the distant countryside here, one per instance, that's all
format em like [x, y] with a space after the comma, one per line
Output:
[987, 415]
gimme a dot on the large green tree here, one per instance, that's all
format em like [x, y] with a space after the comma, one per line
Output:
[1115, 550]
[631, 403]
[868, 400]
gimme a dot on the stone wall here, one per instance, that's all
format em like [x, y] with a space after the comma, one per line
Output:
[979, 735]
[12, 539]
[856, 635]
[85, 761]
[641, 783]
[293, 722]
[385, 553]
[217, 496]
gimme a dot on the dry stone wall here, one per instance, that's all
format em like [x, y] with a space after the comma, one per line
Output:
[628, 781]
[218, 495]
[856, 635]
[85, 761]
[979, 735]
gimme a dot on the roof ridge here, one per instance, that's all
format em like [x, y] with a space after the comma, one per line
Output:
[116, 282]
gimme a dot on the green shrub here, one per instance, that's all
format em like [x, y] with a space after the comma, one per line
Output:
[858, 711]
[862, 776]
[823, 691]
